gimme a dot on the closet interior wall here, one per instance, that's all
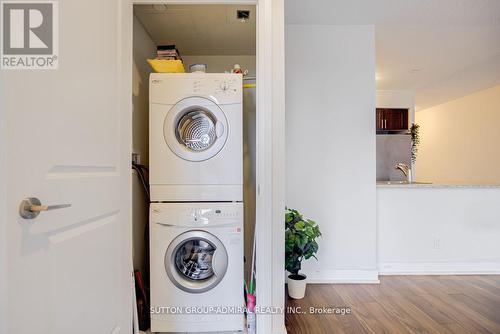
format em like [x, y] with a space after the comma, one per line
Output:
[144, 48]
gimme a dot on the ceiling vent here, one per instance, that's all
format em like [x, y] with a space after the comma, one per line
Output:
[160, 7]
[242, 15]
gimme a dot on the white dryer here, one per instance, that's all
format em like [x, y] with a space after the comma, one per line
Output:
[196, 267]
[195, 137]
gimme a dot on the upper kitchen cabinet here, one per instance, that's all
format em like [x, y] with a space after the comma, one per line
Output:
[389, 119]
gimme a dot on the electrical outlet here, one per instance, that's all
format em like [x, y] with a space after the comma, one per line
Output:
[437, 243]
[136, 158]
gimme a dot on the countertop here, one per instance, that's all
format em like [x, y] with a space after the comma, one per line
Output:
[420, 185]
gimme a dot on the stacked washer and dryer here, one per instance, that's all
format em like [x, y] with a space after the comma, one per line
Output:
[196, 214]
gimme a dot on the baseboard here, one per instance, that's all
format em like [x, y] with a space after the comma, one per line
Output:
[343, 276]
[437, 268]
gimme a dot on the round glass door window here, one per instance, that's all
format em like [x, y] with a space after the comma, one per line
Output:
[196, 261]
[195, 129]
[193, 259]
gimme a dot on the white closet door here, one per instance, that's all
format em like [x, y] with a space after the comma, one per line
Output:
[69, 269]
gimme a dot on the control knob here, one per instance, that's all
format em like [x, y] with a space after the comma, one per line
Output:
[224, 86]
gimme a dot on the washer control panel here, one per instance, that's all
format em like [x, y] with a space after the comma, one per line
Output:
[209, 216]
[196, 214]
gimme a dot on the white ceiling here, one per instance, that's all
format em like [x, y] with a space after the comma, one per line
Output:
[440, 49]
[200, 29]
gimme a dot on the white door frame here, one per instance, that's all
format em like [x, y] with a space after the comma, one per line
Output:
[270, 153]
[3, 209]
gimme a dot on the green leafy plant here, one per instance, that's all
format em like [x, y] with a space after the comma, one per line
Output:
[415, 141]
[300, 240]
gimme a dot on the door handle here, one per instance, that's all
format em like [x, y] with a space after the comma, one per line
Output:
[164, 224]
[31, 207]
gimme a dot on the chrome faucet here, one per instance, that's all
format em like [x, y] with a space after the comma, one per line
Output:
[405, 170]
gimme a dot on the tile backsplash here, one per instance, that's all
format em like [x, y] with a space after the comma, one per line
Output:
[392, 149]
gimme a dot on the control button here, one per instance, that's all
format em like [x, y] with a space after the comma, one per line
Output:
[224, 86]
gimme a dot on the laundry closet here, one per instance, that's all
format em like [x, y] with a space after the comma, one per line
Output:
[193, 160]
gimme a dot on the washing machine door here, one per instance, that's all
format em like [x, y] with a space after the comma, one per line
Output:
[195, 129]
[196, 261]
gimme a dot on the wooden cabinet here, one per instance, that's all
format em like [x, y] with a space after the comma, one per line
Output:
[380, 119]
[389, 119]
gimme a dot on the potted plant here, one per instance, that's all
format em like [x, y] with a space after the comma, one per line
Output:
[300, 244]
[415, 141]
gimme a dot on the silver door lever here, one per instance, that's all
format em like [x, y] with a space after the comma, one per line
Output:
[31, 207]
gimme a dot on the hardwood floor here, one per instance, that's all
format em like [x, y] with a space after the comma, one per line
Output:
[402, 304]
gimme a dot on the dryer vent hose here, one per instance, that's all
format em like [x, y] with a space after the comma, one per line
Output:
[144, 181]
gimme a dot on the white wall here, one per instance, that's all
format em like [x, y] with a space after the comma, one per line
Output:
[330, 145]
[438, 230]
[143, 48]
[460, 139]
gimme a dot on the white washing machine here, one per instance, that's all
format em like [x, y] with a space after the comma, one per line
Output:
[196, 267]
[195, 137]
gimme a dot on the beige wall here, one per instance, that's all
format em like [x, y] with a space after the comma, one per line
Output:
[143, 48]
[460, 140]
[221, 63]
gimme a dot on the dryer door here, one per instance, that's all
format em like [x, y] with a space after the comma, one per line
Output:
[195, 129]
[196, 261]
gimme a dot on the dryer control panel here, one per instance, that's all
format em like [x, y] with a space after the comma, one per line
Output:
[169, 88]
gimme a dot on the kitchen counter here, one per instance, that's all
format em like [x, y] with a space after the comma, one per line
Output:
[420, 185]
[439, 229]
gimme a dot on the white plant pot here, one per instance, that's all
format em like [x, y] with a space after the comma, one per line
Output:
[297, 287]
